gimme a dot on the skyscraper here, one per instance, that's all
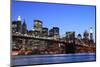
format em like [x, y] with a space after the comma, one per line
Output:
[54, 32]
[37, 25]
[91, 33]
[24, 28]
[51, 33]
[86, 35]
[44, 32]
[19, 26]
[14, 26]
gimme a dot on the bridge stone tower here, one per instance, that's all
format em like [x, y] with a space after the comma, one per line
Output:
[70, 38]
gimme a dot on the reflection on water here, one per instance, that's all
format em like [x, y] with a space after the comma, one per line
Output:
[58, 58]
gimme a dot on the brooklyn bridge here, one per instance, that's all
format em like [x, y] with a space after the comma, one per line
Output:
[59, 46]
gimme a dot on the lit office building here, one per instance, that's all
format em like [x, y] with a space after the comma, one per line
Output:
[45, 32]
[54, 32]
[51, 32]
[14, 26]
[38, 25]
[19, 26]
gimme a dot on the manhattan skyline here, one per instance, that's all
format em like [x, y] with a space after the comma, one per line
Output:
[67, 17]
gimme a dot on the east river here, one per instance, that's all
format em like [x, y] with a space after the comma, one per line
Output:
[51, 59]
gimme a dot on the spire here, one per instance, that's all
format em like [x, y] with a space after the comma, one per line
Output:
[24, 28]
[19, 18]
[24, 23]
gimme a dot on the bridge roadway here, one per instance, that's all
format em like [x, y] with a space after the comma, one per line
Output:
[44, 39]
[39, 38]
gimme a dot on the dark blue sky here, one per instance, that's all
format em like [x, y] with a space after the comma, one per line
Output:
[67, 17]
